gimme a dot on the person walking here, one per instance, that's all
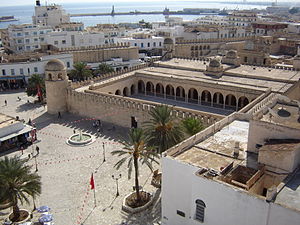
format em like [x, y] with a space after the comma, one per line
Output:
[5, 102]
[37, 150]
[59, 115]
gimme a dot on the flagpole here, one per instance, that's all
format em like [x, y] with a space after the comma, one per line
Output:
[95, 197]
[92, 183]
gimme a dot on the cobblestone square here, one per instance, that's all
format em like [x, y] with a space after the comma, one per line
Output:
[66, 170]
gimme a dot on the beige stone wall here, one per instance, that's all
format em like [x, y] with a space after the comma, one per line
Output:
[260, 131]
[56, 96]
[119, 109]
[100, 55]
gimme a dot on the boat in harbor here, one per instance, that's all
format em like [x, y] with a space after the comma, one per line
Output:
[7, 18]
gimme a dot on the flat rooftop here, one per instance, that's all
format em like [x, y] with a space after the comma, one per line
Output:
[244, 76]
[289, 195]
[217, 150]
[284, 114]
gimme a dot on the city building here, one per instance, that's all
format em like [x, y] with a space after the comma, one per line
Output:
[243, 169]
[16, 70]
[242, 18]
[268, 28]
[49, 15]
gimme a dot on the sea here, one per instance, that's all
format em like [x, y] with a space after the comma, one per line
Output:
[24, 13]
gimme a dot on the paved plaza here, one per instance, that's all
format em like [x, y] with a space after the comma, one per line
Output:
[66, 170]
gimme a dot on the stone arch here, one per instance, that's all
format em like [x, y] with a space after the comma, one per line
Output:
[125, 91]
[192, 48]
[159, 89]
[200, 47]
[170, 91]
[204, 47]
[218, 99]
[141, 87]
[149, 88]
[230, 100]
[243, 101]
[118, 92]
[60, 76]
[132, 89]
[180, 93]
[193, 95]
[196, 48]
[50, 76]
[205, 97]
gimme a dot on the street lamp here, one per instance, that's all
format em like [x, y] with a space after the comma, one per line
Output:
[116, 178]
[103, 146]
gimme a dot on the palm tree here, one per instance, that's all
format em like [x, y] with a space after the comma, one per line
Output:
[135, 150]
[80, 71]
[104, 68]
[162, 130]
[17, 183]
[36, 86]
[192, 126]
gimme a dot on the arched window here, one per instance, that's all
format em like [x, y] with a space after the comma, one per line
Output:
[200, 206]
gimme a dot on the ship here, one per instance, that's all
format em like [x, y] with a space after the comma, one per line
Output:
[7, 18]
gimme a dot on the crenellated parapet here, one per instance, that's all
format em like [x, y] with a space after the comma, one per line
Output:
[92, 81]
[96, 47]
[213, 40]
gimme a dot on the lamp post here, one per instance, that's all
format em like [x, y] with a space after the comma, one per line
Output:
[103, 146]
[116, 178]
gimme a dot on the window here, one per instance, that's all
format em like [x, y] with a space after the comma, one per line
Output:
[26, 33]
[21, 71]
[3, 72]
[19, 34]
[27, 41]
[142, 45]
[42, 39]
[180, 213]
[63, 41]
[135, 44]
[35, 69]
[148, 44]
[55, 42]
[159, 44]
[12, 71]
[68, 64]
[34, 33]
[154, 44]
[41, 32]
[36, 40]
[28, 48]
[19, 41]
[200, 206]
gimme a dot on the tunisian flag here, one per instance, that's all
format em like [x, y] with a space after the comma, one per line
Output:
[92, 183]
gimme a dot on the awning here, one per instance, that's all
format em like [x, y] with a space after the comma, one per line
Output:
[26, 129]
[12, 78]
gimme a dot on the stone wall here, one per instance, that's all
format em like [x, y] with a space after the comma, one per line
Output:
[119, 110]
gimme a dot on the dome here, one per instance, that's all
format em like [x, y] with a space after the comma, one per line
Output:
[297, 57]
[214, 63]
[231, 54]
[55, 65]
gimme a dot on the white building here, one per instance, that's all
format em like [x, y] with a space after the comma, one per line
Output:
[25, 37]
[67, 39]
[238, 171]
[49, 15]
[117, 64]
[14, 71]
[146, 42]
[212, 20]
[293, 28]
[242, 18]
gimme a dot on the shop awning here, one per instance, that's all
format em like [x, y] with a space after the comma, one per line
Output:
[12, 78]
[26, 129]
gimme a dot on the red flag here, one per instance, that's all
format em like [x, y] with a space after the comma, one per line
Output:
[39, 92]
[92, 183]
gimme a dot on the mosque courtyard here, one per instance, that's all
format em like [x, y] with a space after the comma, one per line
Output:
[66, 170]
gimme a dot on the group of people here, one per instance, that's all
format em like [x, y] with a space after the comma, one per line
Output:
[98, 125]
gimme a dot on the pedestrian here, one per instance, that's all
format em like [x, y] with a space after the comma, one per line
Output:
[37, 150]
[5, 102]
[22, 150]
[59, 115]
[29, 122]
[19, 99]
[74, 131]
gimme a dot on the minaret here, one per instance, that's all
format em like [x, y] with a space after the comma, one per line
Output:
[56, 81]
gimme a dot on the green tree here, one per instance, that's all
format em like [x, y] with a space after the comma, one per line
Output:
[18, 183]
[192, 126]
[36, 87]
[135, 150]
[162, 130]
[80, 71]
[104, 68]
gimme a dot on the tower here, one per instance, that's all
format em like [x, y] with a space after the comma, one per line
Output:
[56, 81]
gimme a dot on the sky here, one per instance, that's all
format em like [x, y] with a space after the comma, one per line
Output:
[61, 2]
